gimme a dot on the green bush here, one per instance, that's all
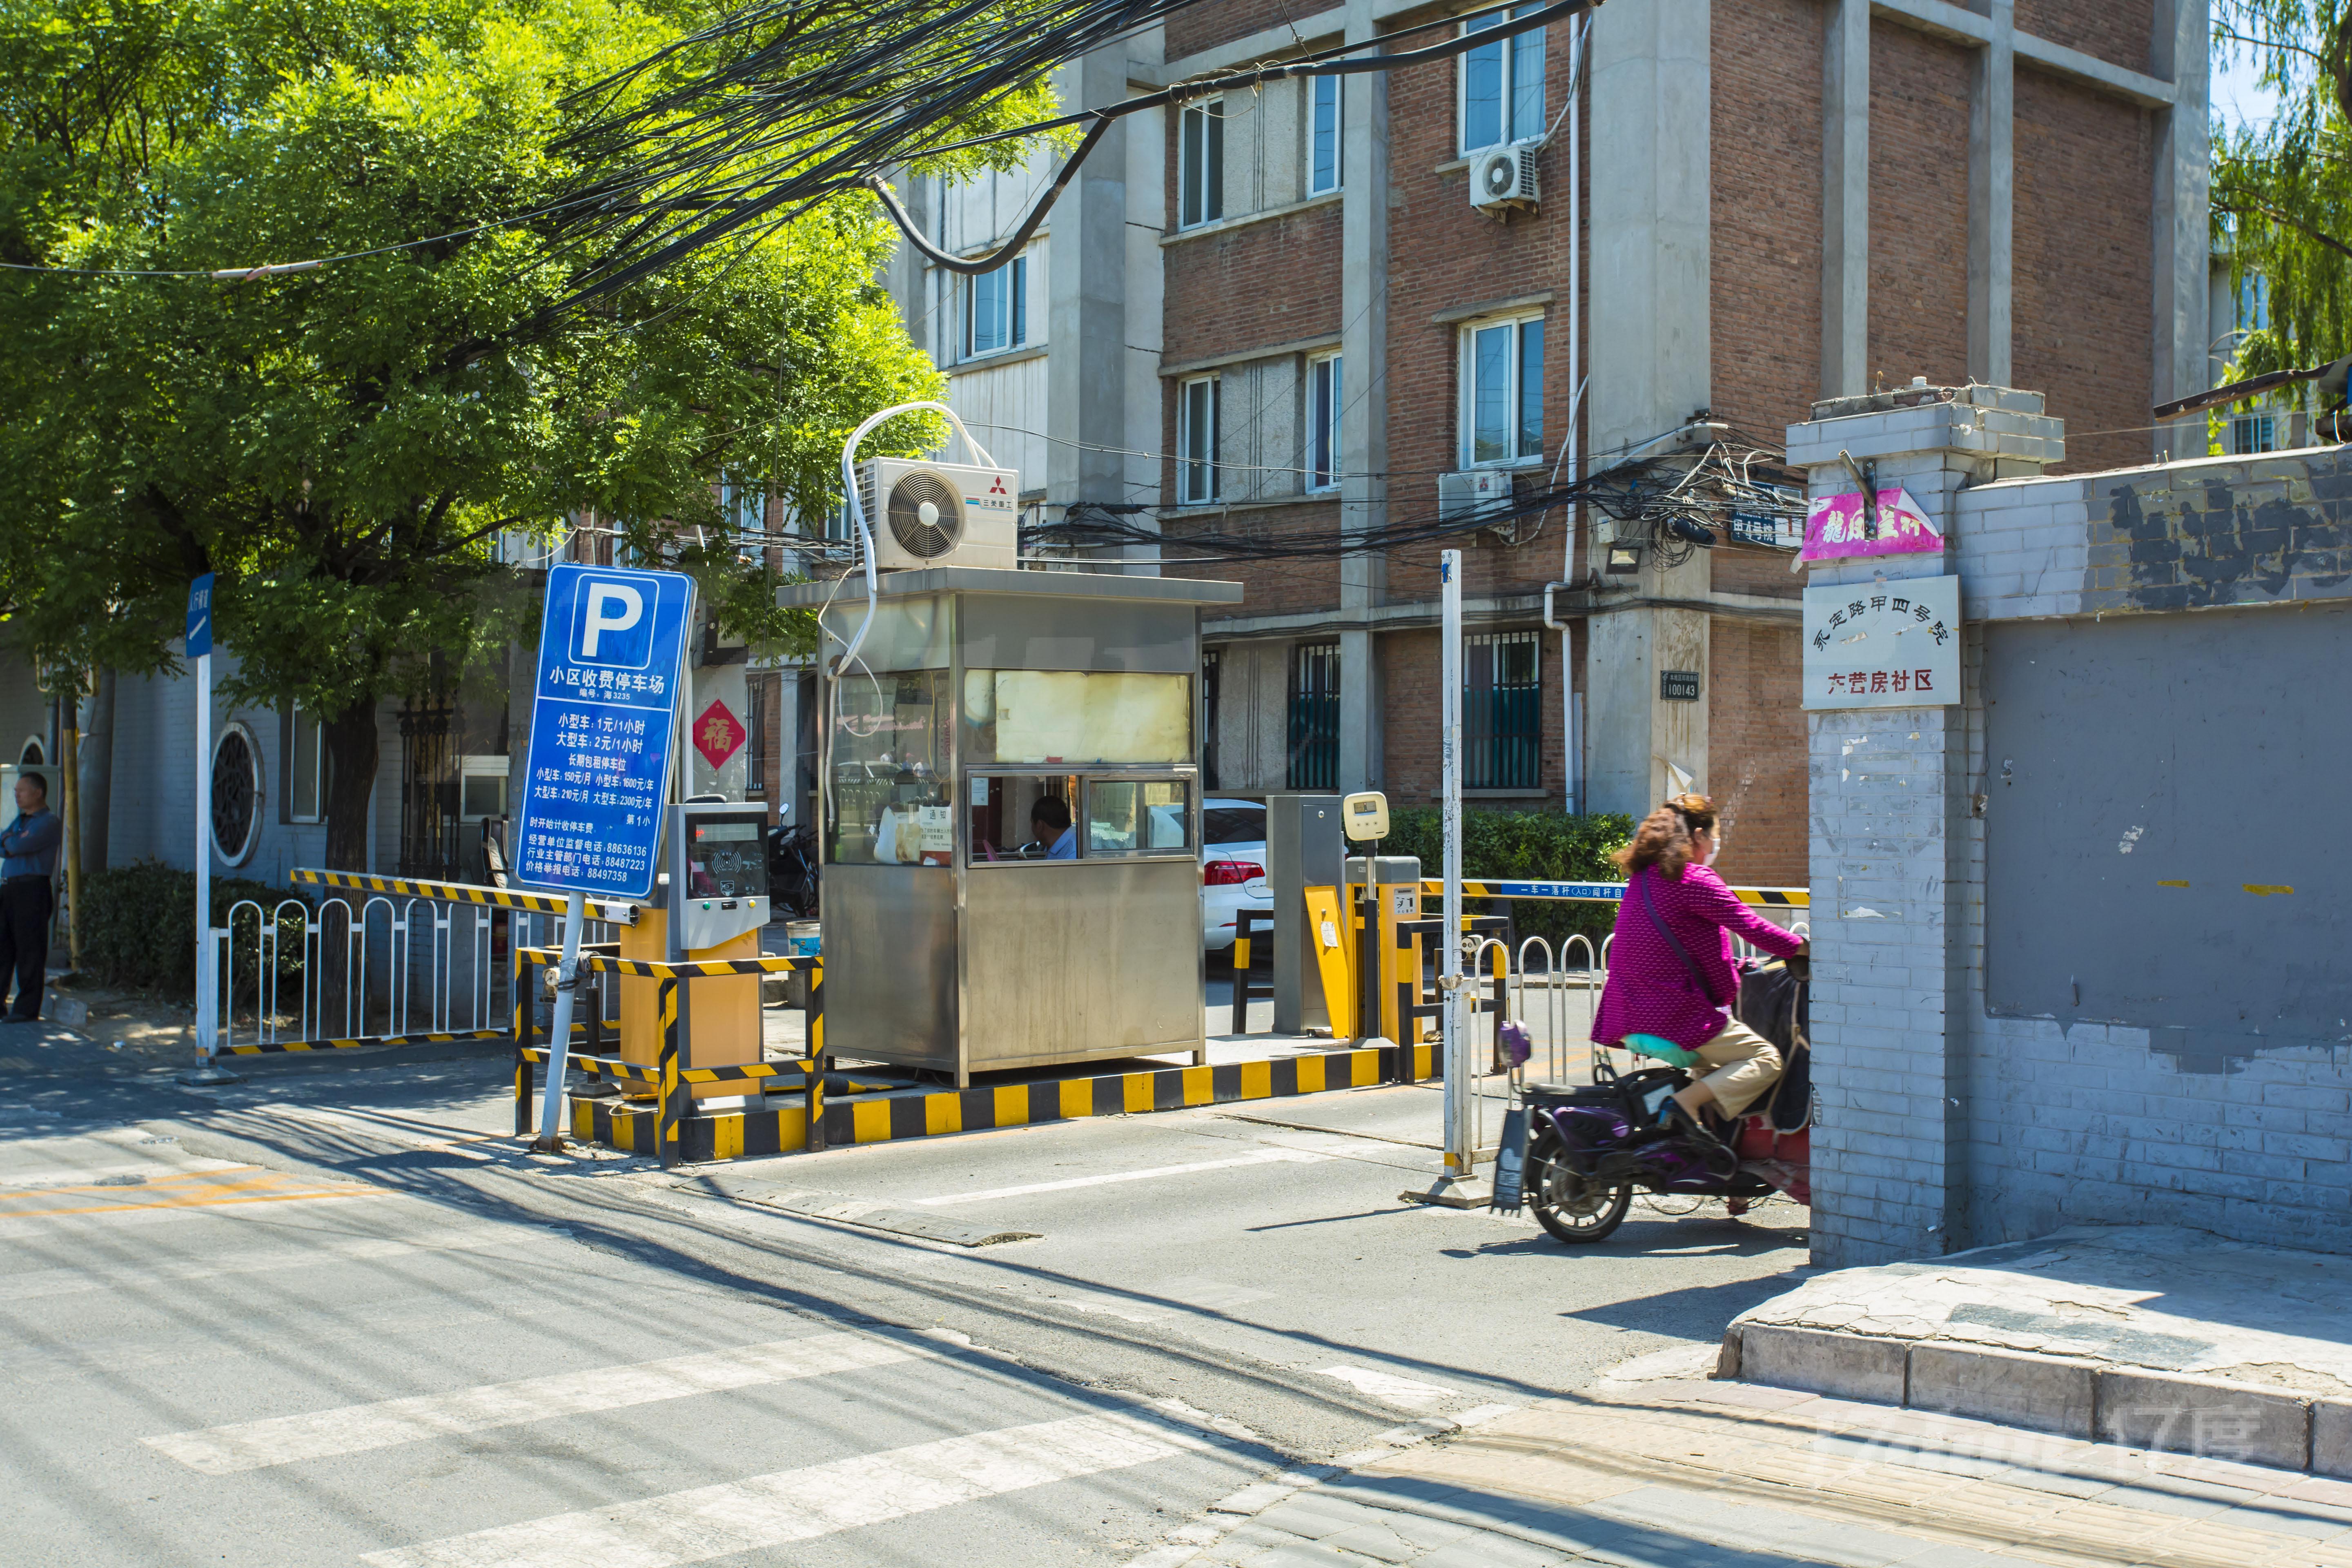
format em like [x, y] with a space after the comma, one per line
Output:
[138, 926]
[1524, 846]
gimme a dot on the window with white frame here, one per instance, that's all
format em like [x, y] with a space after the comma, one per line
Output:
[304, 797]
[1197, 479]
[1201, 164]
[1323, 382]
[1502, 85]
[1322, 136]
[1502, 391]
[996, 309]
[744, 512]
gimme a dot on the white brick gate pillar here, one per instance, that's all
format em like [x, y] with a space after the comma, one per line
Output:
[1888, 811]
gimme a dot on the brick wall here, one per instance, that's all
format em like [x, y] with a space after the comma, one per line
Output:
[1410, 691]
[1274, 281]
[1198, 27]
[2083, 267]
[1919, 209]
[2120, 32]
[1766, 266]
[1446, 255]
[1268, 587]
[1756, 751]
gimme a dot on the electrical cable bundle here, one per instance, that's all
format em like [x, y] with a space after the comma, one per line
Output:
[807, 99]
[1677, 505]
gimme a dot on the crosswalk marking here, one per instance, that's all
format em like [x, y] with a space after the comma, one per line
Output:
[787, 1506]
[356, 1429]
[1263, 1157]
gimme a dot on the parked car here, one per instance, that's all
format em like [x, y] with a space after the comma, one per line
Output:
[1232, 868]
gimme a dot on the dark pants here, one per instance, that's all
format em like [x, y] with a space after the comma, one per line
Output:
[24, 940]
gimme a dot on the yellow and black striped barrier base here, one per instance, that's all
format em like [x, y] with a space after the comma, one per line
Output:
[731, 1135]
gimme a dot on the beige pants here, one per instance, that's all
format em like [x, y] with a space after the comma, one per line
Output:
[1745, 1065]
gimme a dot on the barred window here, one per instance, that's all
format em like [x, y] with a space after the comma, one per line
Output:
[1502, 710]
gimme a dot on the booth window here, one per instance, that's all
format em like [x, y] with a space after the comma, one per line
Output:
[1138, 817]
[1004, 808]
[1314, 716]
[888, 802]
[1077, 718]
[1502, 709]
[1212, 672]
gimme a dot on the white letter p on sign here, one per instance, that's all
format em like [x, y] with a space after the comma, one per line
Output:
[598, 621]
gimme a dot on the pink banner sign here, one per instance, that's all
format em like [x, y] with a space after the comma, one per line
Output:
[1836, 526]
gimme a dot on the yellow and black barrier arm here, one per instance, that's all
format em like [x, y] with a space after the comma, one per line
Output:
[611, 913]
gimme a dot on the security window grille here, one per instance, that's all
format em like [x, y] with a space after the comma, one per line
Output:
[1314, 717]
[2254, 433]
[759, 696]
[1197, 479]
[1201, 164]
[996, 309]
[1323, 424]
[1502, 391]
[1502, 87]
[1323, 136]
[1502, 711]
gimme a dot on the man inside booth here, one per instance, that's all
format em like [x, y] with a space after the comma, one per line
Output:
[1049, 824]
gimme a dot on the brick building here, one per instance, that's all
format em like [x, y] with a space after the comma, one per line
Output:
[1280, 311]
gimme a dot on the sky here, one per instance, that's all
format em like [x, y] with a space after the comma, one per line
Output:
[2238, 99]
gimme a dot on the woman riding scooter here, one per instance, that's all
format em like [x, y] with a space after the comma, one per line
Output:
[1672, 983]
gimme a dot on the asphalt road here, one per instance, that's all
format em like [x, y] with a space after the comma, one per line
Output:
[329, 1314]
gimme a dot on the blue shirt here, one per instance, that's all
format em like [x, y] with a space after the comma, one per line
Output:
[28, 846]
[1065, 847]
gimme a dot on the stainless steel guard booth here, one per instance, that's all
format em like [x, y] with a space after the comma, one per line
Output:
[1009, 801]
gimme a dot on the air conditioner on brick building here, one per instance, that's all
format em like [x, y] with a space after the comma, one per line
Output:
[939, 514]
[1473, 493]
[1503, 177]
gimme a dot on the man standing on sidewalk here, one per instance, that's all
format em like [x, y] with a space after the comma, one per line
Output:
[28, 859]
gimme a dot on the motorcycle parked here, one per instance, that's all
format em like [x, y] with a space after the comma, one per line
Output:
[792, 879]
[1576, 1153]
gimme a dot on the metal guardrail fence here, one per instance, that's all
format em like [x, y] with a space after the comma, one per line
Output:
[377, 961]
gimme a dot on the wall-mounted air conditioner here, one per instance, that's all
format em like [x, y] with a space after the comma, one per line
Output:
[1503, 177]
[1473, 493]
[940, 514]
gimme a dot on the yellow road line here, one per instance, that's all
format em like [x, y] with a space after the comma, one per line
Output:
[205, 1189]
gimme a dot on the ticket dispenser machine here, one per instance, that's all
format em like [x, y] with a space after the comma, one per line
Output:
[709, 902]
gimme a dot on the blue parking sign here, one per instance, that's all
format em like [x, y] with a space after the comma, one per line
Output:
[610, 659]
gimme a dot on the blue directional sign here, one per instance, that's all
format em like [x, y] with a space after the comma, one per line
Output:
[611, 662]
[200, 616]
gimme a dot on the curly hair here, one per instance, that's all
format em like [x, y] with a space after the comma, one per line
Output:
[1664, 839]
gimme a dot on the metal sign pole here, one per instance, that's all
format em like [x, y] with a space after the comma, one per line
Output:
[559, 1036]
[1459, 1153]
[200, 648]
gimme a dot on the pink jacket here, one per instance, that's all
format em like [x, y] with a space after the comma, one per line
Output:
[1649, 991]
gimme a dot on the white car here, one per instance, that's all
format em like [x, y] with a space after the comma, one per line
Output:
[1233, 868]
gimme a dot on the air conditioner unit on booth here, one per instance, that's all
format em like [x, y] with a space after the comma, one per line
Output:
[939, 514]
[1503, 177]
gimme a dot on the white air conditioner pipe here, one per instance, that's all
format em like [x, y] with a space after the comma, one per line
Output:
[858, 507]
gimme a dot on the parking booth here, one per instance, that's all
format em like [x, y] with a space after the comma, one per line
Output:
[710, 901]
[1008, 802]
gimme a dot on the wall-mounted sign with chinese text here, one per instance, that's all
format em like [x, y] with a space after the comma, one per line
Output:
[1678, 685]
[1840, 526]
[1882, 645]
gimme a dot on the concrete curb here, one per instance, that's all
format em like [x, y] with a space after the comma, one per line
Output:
[732, 1135]
[2137, 1407]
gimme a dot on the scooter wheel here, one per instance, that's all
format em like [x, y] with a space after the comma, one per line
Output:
[1573, 1209]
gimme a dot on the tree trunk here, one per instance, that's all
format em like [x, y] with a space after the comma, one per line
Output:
[97, 779]
[352, 751]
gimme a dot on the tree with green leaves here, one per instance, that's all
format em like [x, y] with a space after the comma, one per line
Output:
[2282, 190]
[347, 447]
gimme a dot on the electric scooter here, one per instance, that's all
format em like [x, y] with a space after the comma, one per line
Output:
[1576, 1153]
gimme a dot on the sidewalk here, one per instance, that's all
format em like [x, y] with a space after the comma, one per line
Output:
[1677, 1472]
